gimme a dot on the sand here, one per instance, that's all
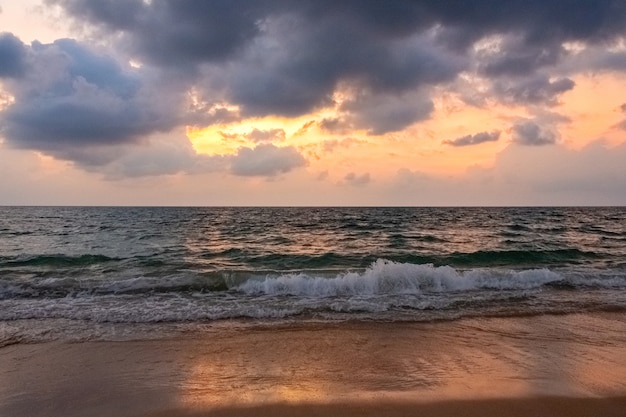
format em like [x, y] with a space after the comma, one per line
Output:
[571, 365]
[516, 407]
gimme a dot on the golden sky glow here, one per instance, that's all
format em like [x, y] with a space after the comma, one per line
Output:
[420, 147]
[594, 108]
[343, 147]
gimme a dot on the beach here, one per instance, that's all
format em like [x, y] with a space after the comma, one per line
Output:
[194, 312]
[543, 365]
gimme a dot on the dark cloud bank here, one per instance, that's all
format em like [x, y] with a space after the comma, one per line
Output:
[287, 58]
[12, 56]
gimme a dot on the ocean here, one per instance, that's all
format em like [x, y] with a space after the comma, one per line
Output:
[119, 273]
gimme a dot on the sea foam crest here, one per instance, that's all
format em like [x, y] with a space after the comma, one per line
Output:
[387, 277]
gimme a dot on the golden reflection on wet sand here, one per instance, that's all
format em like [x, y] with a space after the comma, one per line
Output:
[470, 359]
[473, 359]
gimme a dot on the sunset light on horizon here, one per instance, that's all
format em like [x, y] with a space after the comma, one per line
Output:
[312, 103]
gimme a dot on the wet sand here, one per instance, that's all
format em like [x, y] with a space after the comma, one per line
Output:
[515, 407]
[571, 365]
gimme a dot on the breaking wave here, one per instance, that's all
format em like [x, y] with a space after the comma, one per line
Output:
[386, 277]
[382, 277]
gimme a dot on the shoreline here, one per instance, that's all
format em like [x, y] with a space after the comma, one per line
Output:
[542, 365]
[499, 407]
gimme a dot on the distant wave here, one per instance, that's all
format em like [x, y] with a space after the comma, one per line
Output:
[484, 258]
[519, 257]
[55, 260]
[481, 258]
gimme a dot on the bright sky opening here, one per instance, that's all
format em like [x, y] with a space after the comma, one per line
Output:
[271, 102]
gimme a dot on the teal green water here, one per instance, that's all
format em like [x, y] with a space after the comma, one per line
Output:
[199, 265]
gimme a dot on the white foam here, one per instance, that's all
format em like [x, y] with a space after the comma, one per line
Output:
[393, 278]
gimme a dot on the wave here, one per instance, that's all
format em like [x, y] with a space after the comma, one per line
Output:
[386, 290]
[51, 264]
[382, 277]
[519, 257]
[387, 277]
[55, 260]
[63, 287]
[481, 258]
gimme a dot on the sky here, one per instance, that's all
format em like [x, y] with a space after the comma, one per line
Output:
[313, 102]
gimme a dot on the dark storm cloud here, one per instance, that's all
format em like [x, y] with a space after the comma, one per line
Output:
[532, 90]
[12, 56]
[513, 57]
[287, 57]
[380, 114]
[266, 160]
[248, 58]
[116, 14]
[180, 33]
[295, 74]
[538, 20]
[73, 97]
[474, 139]
[531, 134]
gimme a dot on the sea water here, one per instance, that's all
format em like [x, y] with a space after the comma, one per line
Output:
[85, 273]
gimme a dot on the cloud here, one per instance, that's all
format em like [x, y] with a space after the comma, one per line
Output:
[73, 99]
[293, 75]
[514, 56]
[202, 114]
[596, 170]
[175, 33]
[537, 20]
[595, 58]
[266, 160]
[162, 155]
[594, 175]
[358, 180]
[377, 64]
[256, 136]
[622, 124]
[253, 63]
[12, 56]
[330, 145]
[531, 134]
[271, 135]
[334, 125]
[474, 139]
[322, 176]
[304, 128]
[380, 114]
[533, 90]
[288, 58]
